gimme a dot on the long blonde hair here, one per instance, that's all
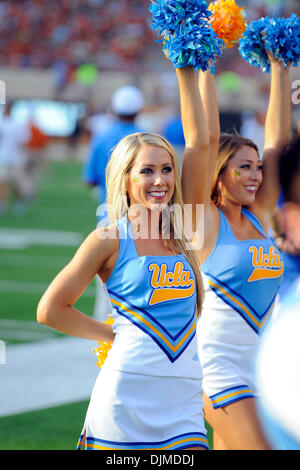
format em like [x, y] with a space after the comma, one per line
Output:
[117, 174]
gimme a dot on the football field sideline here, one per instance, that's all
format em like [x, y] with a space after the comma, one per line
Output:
[44, 374]
[40, 368]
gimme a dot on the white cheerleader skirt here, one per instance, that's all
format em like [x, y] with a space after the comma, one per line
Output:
[143, 412]
[228, 372]
[227, 350]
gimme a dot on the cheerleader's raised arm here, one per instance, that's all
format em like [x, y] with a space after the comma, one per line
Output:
[277, 134]
[195, 128]
[207, 87]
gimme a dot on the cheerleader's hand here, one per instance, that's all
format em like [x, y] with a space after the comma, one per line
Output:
[287, 245]
[274, 61]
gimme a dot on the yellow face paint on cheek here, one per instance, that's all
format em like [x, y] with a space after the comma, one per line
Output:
[236, 173]
[136, 179]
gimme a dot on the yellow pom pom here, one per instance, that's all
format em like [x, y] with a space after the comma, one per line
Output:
[165, 51]
[228, 21]
[102, 350]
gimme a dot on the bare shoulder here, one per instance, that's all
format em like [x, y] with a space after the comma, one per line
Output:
[108, 242]
[104, 239]
[98, 249]
[107, 236]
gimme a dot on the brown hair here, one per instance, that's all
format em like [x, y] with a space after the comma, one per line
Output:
[229, 145]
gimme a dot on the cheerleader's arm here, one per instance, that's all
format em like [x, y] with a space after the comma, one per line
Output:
[195, 162]
[208, 94]
[56, 307]
[277, 134]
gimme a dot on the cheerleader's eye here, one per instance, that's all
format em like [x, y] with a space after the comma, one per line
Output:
[167, 169]
[146, 171]
[246, 166]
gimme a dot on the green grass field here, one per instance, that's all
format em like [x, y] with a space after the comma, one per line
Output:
[56, 428]
[65, 204]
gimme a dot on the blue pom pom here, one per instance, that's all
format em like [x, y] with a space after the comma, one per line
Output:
[188, 37]
[167, 15]
[280, 36]
[252, 47]
[195, 46]
[283, 39]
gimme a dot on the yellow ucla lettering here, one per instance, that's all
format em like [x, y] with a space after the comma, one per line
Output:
[154, 279]
[253, 249]
[169, 279]
[271, 255]
[276, 259]
[162, 276]
[260, 256]
[184, 278]
[158, 276]
[266, 265]
[177, 273]
[265, 260]
[176, 284]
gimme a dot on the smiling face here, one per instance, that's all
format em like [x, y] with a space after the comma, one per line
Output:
[242, 177]
[151, 180]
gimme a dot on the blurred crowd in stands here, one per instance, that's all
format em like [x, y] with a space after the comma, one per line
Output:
[111, 34]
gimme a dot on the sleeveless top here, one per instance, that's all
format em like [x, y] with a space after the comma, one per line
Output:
[154, 312]
[244, 276]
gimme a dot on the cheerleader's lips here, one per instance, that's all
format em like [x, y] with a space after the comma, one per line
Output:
[251, 189]
[158, 194]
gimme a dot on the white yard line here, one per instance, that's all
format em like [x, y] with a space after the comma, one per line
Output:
[22, 335]
[24, 330]
[21, 324]
[46, 374]
[27, 287]
[17, 238]
[22, 259]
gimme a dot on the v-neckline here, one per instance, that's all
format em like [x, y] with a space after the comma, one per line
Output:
[248, 239]
[147, 256]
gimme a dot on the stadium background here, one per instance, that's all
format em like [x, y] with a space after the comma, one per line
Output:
[60, 62]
